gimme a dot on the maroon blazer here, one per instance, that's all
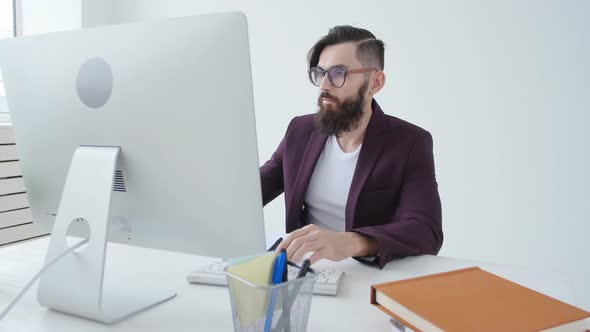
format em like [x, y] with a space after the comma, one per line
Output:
[393, 196]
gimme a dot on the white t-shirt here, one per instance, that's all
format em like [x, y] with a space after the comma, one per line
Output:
[329, 186]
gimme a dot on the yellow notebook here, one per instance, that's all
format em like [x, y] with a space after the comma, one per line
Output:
[251, 303]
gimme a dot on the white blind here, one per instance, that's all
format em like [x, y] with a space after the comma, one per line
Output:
[16, 220]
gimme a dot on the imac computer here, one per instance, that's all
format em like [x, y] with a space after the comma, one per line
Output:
[148, 127]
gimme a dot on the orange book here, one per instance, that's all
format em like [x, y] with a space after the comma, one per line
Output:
[470, 300]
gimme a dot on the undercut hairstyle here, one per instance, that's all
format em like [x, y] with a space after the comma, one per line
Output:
[369, 50]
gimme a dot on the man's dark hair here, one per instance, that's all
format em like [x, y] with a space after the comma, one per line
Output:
[369, 50]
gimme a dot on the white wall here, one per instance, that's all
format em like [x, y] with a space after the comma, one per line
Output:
[503, 86]
[98, 12]
[42, 16]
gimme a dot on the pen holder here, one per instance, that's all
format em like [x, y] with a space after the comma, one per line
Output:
[271, 308]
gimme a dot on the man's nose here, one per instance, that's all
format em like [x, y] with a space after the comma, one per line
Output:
[325, 85]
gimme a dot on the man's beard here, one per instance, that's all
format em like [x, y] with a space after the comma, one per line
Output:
[343, 117]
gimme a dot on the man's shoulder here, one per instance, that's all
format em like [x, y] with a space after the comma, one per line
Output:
[398, 125]
[303, 121]
[395, 126]
[302, 125]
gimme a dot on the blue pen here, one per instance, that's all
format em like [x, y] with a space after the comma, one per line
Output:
[279, 266]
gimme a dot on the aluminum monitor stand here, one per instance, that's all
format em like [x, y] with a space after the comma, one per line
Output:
[75, 284]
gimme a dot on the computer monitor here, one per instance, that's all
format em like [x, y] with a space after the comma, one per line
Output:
[149, 125]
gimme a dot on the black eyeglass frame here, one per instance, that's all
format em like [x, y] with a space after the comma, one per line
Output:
[330, 72]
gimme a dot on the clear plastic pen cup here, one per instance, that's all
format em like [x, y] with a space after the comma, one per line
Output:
[281, 307]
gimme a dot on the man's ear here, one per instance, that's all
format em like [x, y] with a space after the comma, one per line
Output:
[378, 82]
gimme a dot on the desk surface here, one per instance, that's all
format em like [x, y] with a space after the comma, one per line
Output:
[207, 308]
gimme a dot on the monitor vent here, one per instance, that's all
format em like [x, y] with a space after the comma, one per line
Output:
[119, 184]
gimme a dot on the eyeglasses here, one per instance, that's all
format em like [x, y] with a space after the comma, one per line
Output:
[336, 74]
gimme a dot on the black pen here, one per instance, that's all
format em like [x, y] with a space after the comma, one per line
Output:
[304, 268]
[285, 274]
[275, 245]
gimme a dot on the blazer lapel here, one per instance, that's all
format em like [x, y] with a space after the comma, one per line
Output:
[370, 151]
[310, 158]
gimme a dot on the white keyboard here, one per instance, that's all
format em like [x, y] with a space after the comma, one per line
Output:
[327, 281]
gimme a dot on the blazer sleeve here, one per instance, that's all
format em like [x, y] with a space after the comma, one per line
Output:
[416, 228]
[271, 173]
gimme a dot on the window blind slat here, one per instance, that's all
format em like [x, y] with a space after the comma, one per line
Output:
[8, 152]
[13, 202]
[20, 233]
[10, 169]
[14, 218]
[11, 186]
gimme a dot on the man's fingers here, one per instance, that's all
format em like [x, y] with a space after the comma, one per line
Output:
[294, 235]
[284, 243]
[304, 249]
[287, 242]
[316, 256]
[297, 243]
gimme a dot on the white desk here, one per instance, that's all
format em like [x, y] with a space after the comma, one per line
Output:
[207, 308]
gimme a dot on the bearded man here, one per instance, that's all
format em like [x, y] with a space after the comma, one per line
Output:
[357, 182]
